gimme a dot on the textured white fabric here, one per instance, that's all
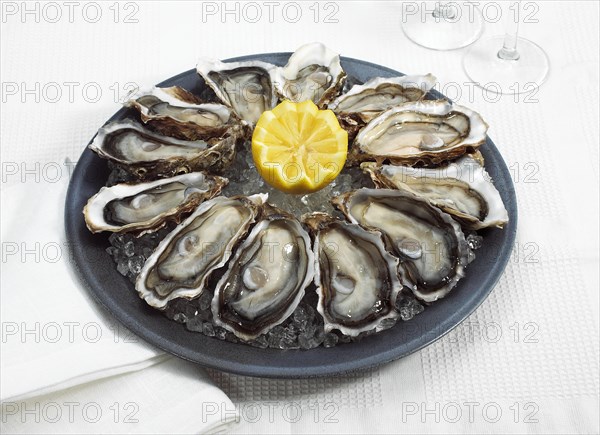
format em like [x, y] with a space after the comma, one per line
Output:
[53, 335]
[529, 352]
[173, 393]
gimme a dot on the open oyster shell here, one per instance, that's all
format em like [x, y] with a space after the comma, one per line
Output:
[462, 188]
[356, 278]
[427, 131]
[313, 72]
[246, 86]
[266, 277]
[183, 261]
[178, 113]
[146, 154]
[146, 207]
[363, 102]
[430, 244]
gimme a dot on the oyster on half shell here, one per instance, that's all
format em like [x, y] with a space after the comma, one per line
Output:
[382, 93]
[356, 278]
[363, 102]
[183, 261]
[266, 278]
[430, 244]
[427, 131]
[146, 154]
[313, 72]
[146, 207]
[245, 86]
[178, 113]
[462, 189]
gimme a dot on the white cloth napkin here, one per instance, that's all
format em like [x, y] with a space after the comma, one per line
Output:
[54, 337]
[171, 394]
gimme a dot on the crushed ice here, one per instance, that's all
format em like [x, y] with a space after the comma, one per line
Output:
[304, 328]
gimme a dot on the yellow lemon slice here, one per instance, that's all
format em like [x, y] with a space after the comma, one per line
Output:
[298, 148]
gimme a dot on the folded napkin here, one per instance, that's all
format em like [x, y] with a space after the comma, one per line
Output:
[54, 337]
[173, 396]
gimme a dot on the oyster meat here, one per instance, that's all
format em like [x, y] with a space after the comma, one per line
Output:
[356, 278]
[427, 131]
[184, 259]
[266, 277]
[364, 102]
[146, 154]
[246, 87]
[430, 244]
[313, 72]
[146, 207]
[380, 94]
[177, 112]
[463, 189]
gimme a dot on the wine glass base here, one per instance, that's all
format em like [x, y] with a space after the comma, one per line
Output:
[488, 71]
[462, 27]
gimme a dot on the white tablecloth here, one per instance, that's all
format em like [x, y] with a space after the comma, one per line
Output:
[525, 361]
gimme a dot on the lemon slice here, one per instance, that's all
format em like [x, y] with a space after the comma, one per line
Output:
[298, 148]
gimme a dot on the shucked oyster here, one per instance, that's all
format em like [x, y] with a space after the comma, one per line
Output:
[463, 189]
[146, 154]
[146, 207]
[246, 87]
[266, 277]
[178, 113]
[380, 94]
[428, 131]
[357, 279]
[364, 102]
[313, 72]
[431, 246]
[182, 262]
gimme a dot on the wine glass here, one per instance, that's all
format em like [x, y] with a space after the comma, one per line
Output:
[507, 64]
[442, 25]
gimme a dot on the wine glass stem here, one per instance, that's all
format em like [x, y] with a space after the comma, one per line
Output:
[509, 48]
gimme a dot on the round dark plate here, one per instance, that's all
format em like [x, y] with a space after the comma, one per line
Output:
[113, 291]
